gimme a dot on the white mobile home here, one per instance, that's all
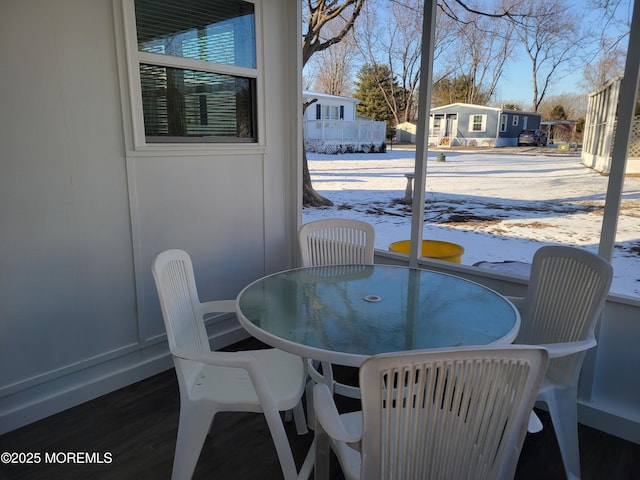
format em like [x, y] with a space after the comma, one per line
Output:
[332, 126]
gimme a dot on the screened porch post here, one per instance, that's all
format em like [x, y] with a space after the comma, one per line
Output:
[422, 130]
[626, 107]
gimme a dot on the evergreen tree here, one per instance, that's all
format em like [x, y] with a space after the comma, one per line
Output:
[558, 113]
[460, 89]
[512, 106]
[377, 91]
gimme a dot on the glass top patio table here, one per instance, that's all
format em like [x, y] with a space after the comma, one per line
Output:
[344, 313]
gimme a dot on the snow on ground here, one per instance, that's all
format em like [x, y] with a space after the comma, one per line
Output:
[497, 206]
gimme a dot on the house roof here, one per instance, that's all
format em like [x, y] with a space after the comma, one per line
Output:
[559, 122]
[326, 96]
[482, 107]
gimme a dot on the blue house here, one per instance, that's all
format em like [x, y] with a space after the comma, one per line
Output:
[463, 124]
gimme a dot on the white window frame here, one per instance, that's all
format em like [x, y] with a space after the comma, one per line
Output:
[503, 122]
[515, 121]
[483, 122]
[436, 124]
[330, 112]
[134, 58]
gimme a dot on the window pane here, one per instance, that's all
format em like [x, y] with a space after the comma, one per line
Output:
[220, 31]
[204, 105]
[477, 123]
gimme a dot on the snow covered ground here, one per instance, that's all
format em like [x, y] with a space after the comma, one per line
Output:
[497, 206]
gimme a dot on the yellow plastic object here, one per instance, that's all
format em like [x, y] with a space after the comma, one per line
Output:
[563, 147]
[445, 251]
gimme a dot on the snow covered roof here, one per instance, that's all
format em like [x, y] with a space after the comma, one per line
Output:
[326, 96]
[480, 107]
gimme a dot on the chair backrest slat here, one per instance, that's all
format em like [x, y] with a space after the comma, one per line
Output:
[567, 292]
[455, 414]
[176, 285]
[336, 242]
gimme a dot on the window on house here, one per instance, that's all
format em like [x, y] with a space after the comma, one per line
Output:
[436, 123]
[503, 122]
[198, 71]
[514, 121]
[477, 123]
[330, 112]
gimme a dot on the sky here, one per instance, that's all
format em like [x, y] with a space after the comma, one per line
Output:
[498, 207]
[516, 84]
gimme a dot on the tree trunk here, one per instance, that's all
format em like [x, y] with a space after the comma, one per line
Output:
[311, 198]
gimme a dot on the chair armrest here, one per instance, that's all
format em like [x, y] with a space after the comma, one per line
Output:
[328, 417]
[245, 360]
[221, 359]
[218, 306]
[567, 348]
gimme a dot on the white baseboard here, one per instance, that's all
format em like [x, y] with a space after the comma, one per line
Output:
[68, 389]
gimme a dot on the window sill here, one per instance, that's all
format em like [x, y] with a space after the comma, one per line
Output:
[199, 149]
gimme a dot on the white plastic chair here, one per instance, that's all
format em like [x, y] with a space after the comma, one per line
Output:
[333, 242]
[435, 414]
[267, 381]
[336, 241]
[567, 291]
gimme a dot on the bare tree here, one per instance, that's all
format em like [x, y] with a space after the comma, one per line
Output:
[615, 19]
[334, 67]
[574, 104]
[609, 63]
[483, 46]
[607, 57]
[318, 14]
[551, 39]
[390, 34]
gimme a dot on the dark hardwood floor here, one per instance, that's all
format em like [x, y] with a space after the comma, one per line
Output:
[133, 431]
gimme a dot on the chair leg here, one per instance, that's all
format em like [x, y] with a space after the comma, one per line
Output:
[309, 463]
[300, 420]
[311, 413]
[535, 425]
[322, 452]
[563, 408]
[195, 421]
[281, 442]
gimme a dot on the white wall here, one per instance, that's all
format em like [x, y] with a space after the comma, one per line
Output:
[332, 101]
[82, 215]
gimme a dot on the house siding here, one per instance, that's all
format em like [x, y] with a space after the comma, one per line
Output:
[345, 106]
[83, 214]
[490, 135]
[332, 126]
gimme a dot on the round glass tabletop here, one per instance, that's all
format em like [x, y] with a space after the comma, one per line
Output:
[345, 313]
